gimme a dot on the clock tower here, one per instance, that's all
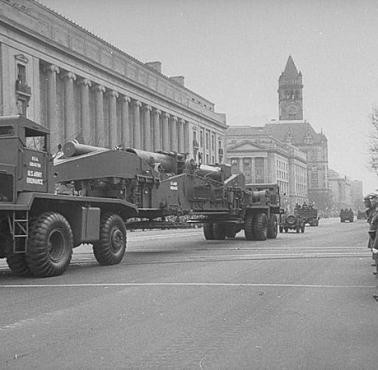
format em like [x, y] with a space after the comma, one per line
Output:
[290, 93]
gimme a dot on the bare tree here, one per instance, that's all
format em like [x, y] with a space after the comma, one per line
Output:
[373, 145]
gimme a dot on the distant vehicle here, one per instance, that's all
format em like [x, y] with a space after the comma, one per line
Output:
[308, 213]
[361, 215]
[292, 222]
[346, 215]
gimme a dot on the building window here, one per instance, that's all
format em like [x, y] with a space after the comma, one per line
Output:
[23, 91]
[21, 74]
[314, 179]
[234, 165]
[247, 169]
[259, 170]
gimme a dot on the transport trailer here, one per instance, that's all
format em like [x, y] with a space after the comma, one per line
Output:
[164, 184]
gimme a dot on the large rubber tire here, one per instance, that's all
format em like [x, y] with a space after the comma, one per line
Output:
[18, 265]
[230, 232]
[219, 231]
[50, 245]
[260, 226]
[248, 227]
[111, 247]
[208, 231]
[272, 227]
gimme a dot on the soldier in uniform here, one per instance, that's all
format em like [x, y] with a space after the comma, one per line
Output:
[371, 201]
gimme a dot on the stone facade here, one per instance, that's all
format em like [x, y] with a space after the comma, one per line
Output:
[345, 193]
[357, 195]
[341, 191]
[264, 159]
[81, 87]
[292, 128]
[301, 135]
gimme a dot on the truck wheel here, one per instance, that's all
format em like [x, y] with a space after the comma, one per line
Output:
[18, 265]
[50, 245]
[219, 231]
[111, 247]
[248, 227]
[208, 231]
[272, 227]
[260, 227]
[230, 232]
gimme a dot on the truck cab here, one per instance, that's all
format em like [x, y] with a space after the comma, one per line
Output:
[25, 162]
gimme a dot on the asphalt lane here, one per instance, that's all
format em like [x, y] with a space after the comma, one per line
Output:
[301, 301]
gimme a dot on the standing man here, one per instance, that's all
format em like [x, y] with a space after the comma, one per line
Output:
[371, 201]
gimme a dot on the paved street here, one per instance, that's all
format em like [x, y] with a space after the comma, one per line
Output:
[301, 301]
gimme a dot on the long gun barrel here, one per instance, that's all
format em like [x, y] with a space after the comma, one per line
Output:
[73, 148]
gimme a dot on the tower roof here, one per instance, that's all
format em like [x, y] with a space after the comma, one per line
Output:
[291, 70]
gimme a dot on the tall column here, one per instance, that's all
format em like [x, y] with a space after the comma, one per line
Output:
[70, 124]
[181, 123]
[126, 128]
[137, 125]
[156, 130]
[166, 143]
[147, 127]
[186, 137]
[114, 138]
[174, 146]
[100, 126]
[88, 136]
[52, 117]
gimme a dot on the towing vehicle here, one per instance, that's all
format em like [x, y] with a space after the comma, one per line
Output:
[39, 228]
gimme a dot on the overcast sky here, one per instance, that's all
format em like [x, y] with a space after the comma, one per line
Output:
[232, 52]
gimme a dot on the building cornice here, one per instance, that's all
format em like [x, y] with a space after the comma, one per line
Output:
[48, 27]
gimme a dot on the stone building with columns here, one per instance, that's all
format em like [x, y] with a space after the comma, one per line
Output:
[264, 159]
[81, 87]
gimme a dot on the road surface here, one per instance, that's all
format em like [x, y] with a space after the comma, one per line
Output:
[301, 301]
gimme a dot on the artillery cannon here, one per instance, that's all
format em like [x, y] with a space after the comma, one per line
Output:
[89, 193]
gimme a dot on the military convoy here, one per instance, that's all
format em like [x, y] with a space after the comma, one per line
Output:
[88, 194]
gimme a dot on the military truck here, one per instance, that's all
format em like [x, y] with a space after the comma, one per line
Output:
[292, 222]
[346, 215]
[39, 228]
[308, 213]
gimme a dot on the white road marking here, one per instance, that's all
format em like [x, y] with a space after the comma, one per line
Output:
[267, 285]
